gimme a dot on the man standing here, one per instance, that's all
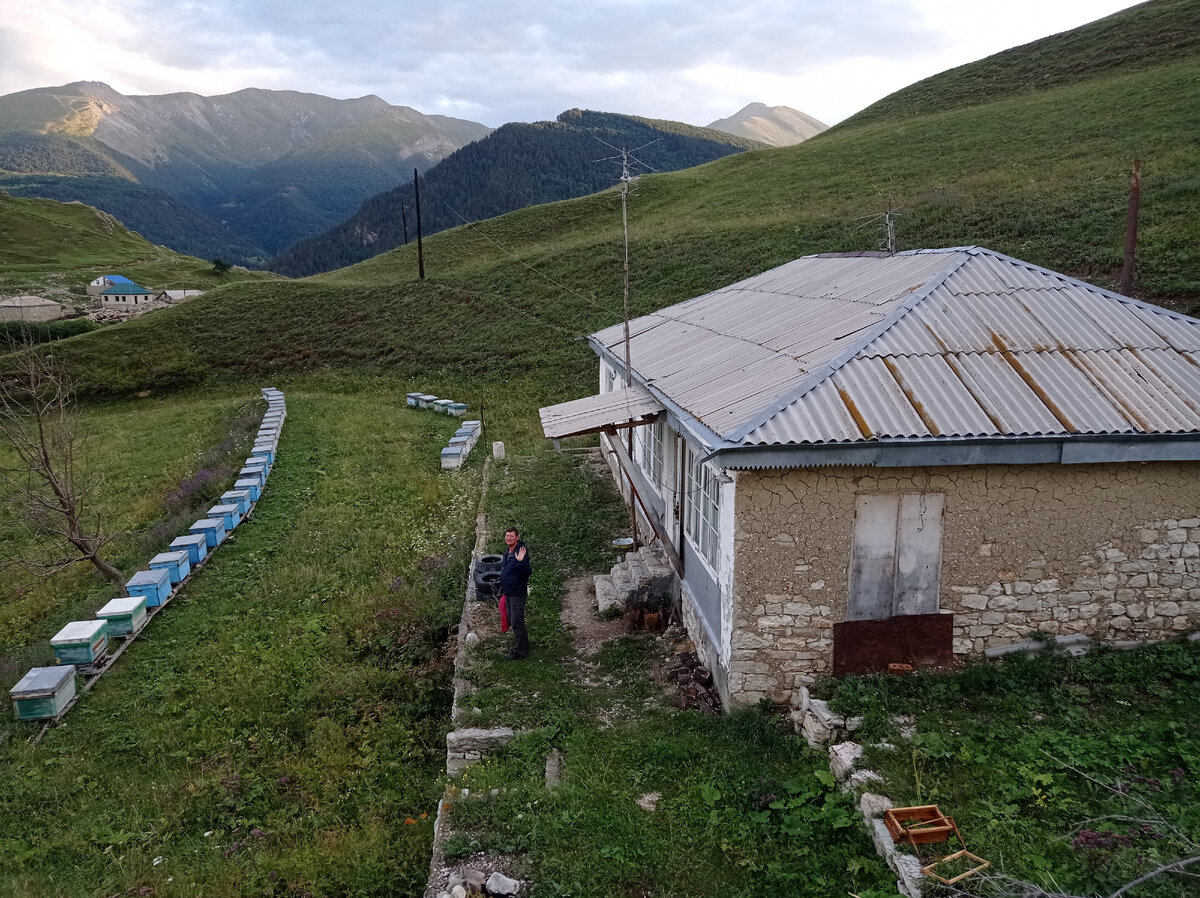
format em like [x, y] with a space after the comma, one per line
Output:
[514, 586]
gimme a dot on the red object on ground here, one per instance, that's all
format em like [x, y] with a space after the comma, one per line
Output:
[503, 614]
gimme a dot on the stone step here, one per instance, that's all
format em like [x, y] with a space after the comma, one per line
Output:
[622, 581]
[606, 594]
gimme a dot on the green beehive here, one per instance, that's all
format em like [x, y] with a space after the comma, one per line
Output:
[82, 642]
[125, 616]
[43, 692]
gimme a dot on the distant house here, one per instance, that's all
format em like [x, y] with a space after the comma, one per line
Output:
[129, 298]
[29, 308]
[170, 297]
[102, 283]
[861, 460]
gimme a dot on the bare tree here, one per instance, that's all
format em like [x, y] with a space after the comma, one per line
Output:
[47, 478]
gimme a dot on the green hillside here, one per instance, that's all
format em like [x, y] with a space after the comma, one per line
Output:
[1041, 175]
[517, 165]
[55, 249]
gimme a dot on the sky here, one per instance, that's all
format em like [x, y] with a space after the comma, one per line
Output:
[496, 61]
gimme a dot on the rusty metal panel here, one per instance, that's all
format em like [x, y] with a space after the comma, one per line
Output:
[869, 646]
[939, 396]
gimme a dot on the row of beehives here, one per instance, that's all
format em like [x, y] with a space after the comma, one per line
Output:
[464, 438]
[85, 647]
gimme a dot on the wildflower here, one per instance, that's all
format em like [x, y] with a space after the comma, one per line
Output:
[1177, 774]
[408, 821]
[423, 816]
[257, 833]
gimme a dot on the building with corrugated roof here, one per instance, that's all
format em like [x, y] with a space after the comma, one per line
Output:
[862, 460]
[129, 299]
[102, 283]
[29, 308]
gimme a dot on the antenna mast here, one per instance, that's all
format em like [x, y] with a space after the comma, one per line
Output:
[626, 180]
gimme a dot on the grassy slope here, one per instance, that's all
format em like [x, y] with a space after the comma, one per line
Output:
[297, 689]
[48, 247]
[1042, 177]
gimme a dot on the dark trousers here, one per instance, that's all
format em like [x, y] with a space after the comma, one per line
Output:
[516, 620]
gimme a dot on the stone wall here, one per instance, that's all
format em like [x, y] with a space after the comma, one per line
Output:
[1111, 551]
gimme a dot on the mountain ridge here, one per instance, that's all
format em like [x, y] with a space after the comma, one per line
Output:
[777, 126]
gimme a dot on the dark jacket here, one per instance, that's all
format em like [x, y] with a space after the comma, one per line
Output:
[514, 575]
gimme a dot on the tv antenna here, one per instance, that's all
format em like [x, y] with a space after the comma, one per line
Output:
[888, 220]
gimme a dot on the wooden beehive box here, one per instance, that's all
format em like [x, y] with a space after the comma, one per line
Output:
[266, 453]
[177, 564]
[212, 529]
[239, 497]
[82, 642]
[124, 616]
[253, 472]
[154, 584]
[229, 514]
[43, 692]
[250, 485]
[918, 825]
[194, 544]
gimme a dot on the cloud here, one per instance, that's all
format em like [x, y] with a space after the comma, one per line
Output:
[506, 60]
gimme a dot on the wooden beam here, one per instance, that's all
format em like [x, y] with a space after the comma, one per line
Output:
[640, 485]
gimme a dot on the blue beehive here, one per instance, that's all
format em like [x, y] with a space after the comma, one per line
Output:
[194, 544]
[426, 400]
[177, 564]
[452, 457]
[212, 529]
[257, 473]
[457, 409]
[82, 642]
[413, 400]
[267, 433]
[250, 485]
[154, 584]
[240, 498]
[228, 514]
[442, 406]
[43, 692]
[257, 464]
[124, 616]
[266, 453]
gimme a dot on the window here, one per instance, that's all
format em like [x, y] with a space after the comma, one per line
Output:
[650, 451]
[702, 522]
[610, 378]
[897, 555]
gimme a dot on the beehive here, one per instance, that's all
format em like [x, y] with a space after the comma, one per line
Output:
[413, 400]
[250, 485]
[240, 498]
[177, 564]
[265, 452]
[457, 409]
[228, 514]
[442, 406]
[426, 400]
[212, 529]
[194, 544]
[256, 473]
[124, 616]
[82, 642]
[154, 584]
[43, 692]
[452, 457]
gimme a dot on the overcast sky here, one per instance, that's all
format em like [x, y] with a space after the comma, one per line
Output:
[496, 61]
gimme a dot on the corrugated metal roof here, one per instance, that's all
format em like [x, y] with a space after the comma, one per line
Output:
[922, 345]
[593, 413]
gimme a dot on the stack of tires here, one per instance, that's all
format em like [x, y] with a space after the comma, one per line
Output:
[487, 577]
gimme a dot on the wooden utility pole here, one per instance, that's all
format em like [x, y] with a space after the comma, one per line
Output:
[1131, 227]
[420, 246]
[626, 179]
[404, 220]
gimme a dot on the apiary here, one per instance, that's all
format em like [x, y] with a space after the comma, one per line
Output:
[194, 544]
[177, 564]
[228, 514]
[124, 616]
[212, 529]
[82, 642]
[250, 485]
[43, 692]
[154, 584]
[238, 497]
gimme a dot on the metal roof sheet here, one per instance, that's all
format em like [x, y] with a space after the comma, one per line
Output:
[923, 345]
[592, 413]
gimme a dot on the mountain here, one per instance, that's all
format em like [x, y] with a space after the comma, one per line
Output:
[776, 126]
[993, 154]
[517, 165]
[268, 167]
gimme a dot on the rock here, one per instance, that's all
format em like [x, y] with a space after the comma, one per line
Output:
[459, 891]
[873, 806]
[908, 868]
[477, 739]
[842, 758]
[861, 779]
[702, 675]
[649, 801]
[474, 880]
[815, 732]
[554, 762]
[498, 450]
[499, 884]
[472, 638]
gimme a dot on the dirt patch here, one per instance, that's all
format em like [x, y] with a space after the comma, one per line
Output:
[588, 632]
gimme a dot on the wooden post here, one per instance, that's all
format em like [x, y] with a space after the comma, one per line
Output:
[404, 220]
[420, 246]
[1131, 227]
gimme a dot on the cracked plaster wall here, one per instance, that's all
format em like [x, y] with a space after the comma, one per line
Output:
[1112, 551]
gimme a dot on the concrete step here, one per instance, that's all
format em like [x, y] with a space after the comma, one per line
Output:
[621, 580]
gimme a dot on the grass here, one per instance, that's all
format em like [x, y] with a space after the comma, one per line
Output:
[279, 730]
[1074, 773]
[744, 807]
